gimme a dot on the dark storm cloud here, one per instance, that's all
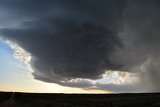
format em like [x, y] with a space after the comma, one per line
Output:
[71, 39]
[83, 38]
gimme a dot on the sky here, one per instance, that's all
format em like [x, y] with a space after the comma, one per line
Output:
[80, 46]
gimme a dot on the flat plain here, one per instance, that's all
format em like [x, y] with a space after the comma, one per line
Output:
[10, 99]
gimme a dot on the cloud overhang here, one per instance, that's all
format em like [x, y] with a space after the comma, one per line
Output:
[74, 43]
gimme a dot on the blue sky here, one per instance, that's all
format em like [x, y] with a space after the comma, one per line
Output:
[12, 70]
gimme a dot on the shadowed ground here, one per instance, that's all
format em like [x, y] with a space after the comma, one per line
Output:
[79, 100]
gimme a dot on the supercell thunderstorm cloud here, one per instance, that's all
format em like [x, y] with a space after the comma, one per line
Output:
[75, 42]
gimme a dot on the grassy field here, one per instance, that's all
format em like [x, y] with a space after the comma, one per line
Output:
[9, 99]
